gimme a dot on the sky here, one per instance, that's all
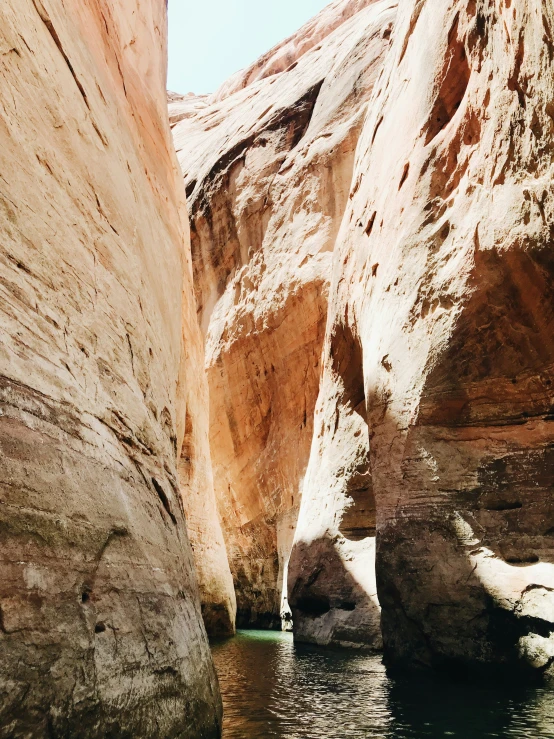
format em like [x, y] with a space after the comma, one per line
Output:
[209, 40]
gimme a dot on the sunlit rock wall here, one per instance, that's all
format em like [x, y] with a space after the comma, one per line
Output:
[268, 166]
[443, 279]
[282, 56]
[217, 593]
[332, 588]
[100, 623]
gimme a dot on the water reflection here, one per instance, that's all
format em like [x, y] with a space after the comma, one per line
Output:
[273, 689]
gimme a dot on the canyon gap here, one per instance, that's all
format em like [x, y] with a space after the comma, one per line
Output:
[268, 164]
[371, 208]
[431, 436]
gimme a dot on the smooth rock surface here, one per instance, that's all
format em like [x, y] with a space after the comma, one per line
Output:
[100, 624]
[282, 56]
[268, 164]
[217, 593]
[443, 281]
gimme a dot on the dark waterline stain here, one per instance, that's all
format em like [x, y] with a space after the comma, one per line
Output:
[274, 689]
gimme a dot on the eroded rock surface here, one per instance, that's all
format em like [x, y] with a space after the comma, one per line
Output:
[332, 588]
[268, 165]
[100, 624]
[282, 56]
[443, 278]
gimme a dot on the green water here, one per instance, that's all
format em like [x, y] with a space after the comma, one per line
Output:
[272, 688]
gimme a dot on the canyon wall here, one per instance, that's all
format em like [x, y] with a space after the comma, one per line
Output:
[100, 623]
[217, 593]
[442, 298]
[268, 164]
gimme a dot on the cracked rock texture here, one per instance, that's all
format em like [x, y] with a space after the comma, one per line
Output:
[268, 165]
[100, 623]
[442, 287]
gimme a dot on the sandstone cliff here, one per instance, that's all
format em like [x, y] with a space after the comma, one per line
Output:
[268, 165]
[100, 624]
[217, 592]
[442, 299]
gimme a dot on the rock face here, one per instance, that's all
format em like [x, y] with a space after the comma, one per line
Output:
[442, 297]
[197, 488]
[282, 56]
[268, 165]
[332, 588]
[100, 624]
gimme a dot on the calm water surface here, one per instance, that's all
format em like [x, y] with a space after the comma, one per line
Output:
[272, 688]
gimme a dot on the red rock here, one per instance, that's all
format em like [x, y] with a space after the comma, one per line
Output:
[268, 169]
[442, 286]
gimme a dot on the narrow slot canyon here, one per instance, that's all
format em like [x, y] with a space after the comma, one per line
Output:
[267, 167]
[276, 375]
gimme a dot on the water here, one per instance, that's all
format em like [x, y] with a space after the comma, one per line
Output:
[272, 688]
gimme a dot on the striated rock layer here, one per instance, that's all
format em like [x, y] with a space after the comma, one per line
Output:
[442, 298]
[100, 623]
[268, 165]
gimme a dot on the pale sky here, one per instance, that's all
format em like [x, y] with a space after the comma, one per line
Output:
[209, 40]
